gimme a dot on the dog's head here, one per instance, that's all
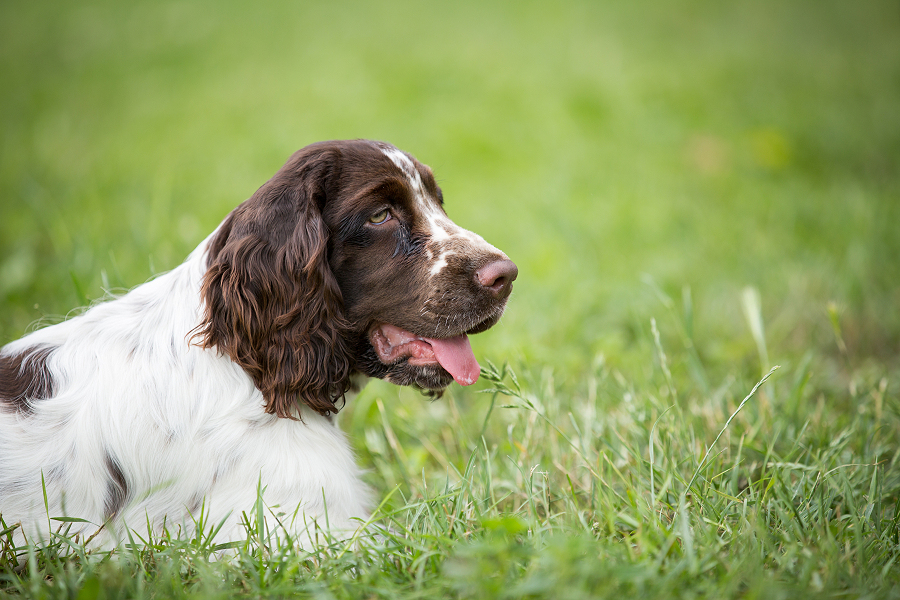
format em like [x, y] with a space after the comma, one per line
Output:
[345, 261]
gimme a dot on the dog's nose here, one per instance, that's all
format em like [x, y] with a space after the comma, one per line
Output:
[497, 277]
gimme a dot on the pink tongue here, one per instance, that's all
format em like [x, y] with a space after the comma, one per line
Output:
[456, 356]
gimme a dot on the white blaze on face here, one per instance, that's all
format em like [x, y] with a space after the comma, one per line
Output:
[442, 231]
[441, 262]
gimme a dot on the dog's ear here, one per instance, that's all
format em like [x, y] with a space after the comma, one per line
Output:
[271, 302]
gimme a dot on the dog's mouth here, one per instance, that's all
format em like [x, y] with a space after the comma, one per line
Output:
[453, 354]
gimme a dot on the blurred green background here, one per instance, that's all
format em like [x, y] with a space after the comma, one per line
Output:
[614, 150]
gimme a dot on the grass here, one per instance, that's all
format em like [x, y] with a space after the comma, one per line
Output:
[694, 192]
[567, 505]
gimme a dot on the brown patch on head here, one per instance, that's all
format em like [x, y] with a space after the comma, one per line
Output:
[25, 377]
[343, 239]
[271, 302]
[416, 271]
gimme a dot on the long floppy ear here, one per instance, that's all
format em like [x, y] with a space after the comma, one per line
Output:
[271, 301]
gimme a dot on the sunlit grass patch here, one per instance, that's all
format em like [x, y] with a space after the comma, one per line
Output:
[606, 489]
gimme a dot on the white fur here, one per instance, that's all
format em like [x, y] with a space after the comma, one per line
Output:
[186, 427]
[441, 230]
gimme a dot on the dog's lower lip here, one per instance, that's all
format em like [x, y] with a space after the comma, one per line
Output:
[392, 343]
[451, 353]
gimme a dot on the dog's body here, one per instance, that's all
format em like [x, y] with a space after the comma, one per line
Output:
[221, 375]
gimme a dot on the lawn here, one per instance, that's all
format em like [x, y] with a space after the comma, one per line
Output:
[694, 192]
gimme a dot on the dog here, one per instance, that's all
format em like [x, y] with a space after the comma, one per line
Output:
[177, 401]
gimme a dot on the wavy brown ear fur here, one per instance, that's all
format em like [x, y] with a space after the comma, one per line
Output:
[272, 303]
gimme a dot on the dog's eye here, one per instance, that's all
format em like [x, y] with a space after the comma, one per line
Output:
[382, 216]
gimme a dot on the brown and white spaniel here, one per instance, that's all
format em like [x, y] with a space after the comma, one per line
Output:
[188, 392]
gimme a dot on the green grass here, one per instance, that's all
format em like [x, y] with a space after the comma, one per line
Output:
[694, 192]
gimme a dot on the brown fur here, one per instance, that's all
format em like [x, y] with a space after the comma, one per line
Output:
[298, 277]
[272, 303]
[25, 377]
